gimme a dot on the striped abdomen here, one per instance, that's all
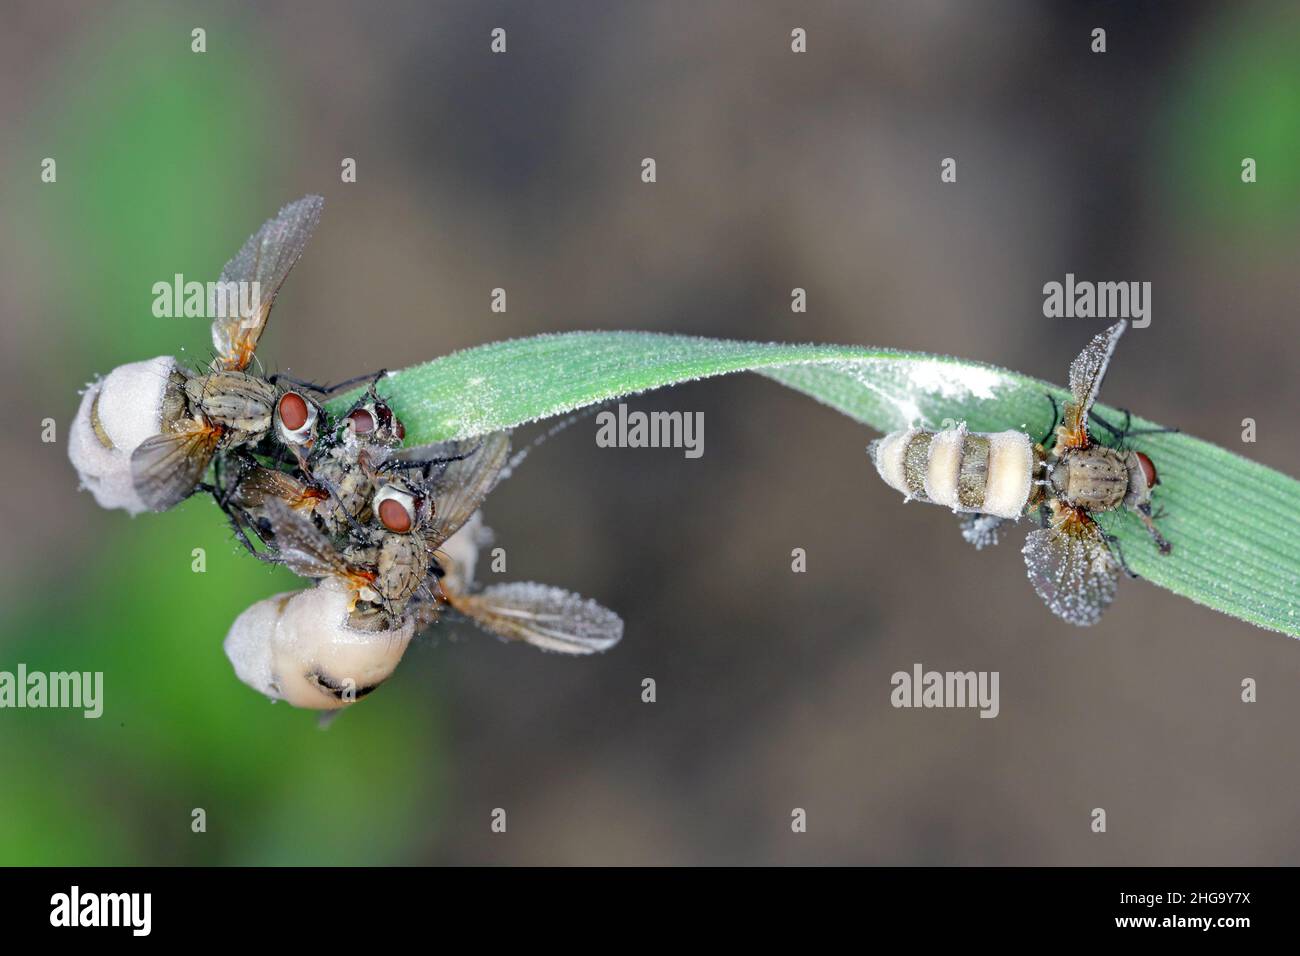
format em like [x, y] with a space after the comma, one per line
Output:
[979, 472]
[242, 402]
[403, 566]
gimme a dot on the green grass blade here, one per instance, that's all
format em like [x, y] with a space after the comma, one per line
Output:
[1234, 524]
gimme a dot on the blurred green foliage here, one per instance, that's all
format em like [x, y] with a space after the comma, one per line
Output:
[1238, 96]
[147, 135]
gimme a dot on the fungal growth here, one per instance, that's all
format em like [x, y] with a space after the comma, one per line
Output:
[388, 535]
[1002, 476]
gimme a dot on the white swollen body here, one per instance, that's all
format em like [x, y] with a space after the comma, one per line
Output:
[300, 647]
[115, 416]
[988, 473]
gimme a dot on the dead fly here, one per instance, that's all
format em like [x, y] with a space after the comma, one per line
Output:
[1001, 476]
[386, 566]
[352, 458]
[356, 486]
[399, 572]
[413, 524]
[227, 406]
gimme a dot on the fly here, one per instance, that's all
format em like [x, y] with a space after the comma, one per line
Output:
[227, 406]
[991, 478]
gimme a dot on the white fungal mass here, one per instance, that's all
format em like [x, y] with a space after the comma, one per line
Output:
[115, 416]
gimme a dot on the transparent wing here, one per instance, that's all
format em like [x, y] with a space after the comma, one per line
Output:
[458, 487]
[258, 485]
[546, 617]
[301, 547]
[266, 258]
[1086, 374]
[166, 467]
[1071, 567]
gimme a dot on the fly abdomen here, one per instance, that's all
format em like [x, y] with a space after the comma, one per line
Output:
[350, 492]
[403, 565]
[978, 472]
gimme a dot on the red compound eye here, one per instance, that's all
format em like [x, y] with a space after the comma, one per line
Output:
[363, 423]
[293, 411]
[1149, 470]
[399, 429]
[395, 516]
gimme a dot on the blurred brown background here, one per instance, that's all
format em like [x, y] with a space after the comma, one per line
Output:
[775, 170]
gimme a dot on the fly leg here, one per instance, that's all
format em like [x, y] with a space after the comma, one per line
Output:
[226, 492]
[222, 497]
[226, 507]
[222, 494]
[1144, 513]
[262, 533]
[1056, 417]
[372, 378]
[239, 519]
[1121, 434]
[424, 464]
[357, 528]
[279, 377]
[1119, 553]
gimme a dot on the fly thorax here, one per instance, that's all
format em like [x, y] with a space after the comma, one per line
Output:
[1094, 478]
[403, 564]
[1058, 475]
[241, 402]
[355, 490]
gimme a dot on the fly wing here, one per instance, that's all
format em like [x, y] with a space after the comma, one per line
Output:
[166, 467]
[258, 485]
[1086, 374]
[459, 487]
[300, 546]
[1071, 567]
[546, 617]
[266, 258]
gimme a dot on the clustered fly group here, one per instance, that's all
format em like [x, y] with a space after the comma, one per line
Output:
[336, 499]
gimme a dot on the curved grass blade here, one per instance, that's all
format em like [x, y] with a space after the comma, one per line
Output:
[1234, 524]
